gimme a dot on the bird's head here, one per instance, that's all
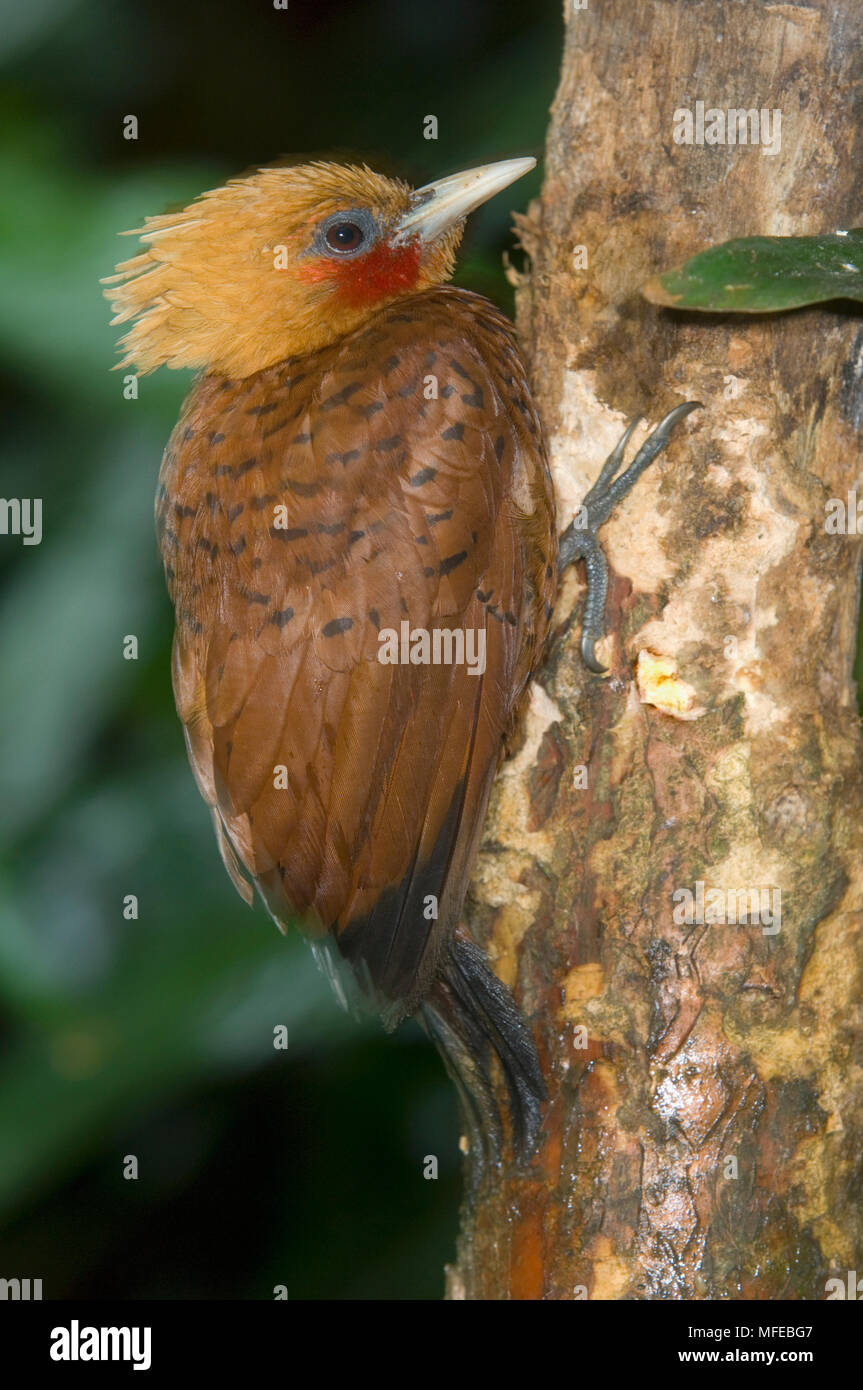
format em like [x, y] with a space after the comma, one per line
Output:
[287, 261]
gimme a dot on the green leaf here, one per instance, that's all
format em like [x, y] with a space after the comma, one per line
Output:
[763, 274]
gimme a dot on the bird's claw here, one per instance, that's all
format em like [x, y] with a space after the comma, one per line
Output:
[580, 542]
[588, 654]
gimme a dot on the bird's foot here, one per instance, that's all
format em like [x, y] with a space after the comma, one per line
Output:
[580, 542]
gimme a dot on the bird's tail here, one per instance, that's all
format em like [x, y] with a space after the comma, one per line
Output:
[469, 1014]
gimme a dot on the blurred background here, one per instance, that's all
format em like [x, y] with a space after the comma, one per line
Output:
[154, 1037]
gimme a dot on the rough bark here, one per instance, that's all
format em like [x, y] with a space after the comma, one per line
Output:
[710, 1042]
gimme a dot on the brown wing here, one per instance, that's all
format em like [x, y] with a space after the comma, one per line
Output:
[408, 466]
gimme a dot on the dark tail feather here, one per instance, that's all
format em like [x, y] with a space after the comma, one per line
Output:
[468, 1014]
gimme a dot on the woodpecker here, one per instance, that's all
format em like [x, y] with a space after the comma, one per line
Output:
[360, 456]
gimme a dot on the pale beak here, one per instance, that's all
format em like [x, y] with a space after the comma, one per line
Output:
[440, 205]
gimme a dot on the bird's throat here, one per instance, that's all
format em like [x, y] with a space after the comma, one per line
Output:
[365, 281]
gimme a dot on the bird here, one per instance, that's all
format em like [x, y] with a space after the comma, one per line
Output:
[357, 485]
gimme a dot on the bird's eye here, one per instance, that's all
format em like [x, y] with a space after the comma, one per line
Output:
[344, 236]
[348, 232]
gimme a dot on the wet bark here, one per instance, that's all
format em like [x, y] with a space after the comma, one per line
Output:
[705, 1118]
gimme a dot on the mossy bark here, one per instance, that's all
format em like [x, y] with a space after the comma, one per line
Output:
[705, 1119]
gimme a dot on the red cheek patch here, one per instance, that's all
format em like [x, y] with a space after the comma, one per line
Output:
[365, 280]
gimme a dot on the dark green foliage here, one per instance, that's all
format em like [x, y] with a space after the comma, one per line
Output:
[155, 1037]
[764, 274]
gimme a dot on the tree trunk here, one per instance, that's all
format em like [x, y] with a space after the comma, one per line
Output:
[705, 1116]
